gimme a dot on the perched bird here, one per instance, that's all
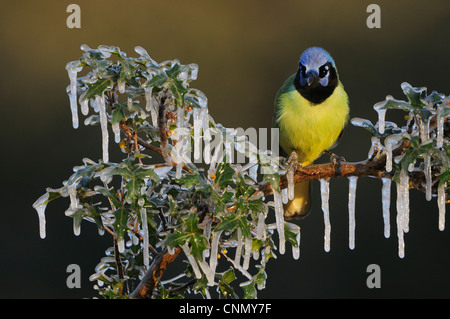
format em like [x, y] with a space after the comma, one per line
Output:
[311, 111]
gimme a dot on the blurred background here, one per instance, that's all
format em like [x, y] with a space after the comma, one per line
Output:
[245, 50]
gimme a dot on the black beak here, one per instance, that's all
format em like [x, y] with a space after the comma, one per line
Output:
[311, 77]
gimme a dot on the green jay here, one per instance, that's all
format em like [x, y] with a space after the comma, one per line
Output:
[311, 111]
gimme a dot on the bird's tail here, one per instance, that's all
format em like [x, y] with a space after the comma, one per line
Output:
[301, 204]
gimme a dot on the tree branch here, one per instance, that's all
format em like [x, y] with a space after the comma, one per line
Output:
[375, 168]
[153, 276]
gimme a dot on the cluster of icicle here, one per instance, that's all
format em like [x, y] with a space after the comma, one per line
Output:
[402, 187]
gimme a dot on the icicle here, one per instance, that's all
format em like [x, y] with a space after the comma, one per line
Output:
[191, 259]
[73, 95]
[404, 181]
[402, 211]
[145, 242]
[386, 202]
[253, 170]
[72, 191]
[180, 141]
[84, 106]
[389, 142]
[247, 253]
[381, 115]
[296, 230]
[284, 195]
[197, 132]
[121, 245]
[149, 105]
[204, 118]
[261, 226]
[237, 257]
[208, 272]
[279, 220]
[40, 206]
[121, 87]
[375, 145]
[428, 181]
[100, 101]
[290, 180]
[116, 129]
[351, 210]
[399, 220]
[441, 200]
[325, 194]
[214, 251]
[440, 125]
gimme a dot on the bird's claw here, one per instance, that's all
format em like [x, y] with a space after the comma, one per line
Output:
[292, 162]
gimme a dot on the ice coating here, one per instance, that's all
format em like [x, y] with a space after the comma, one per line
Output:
[145, 242]
[261, 226]
[284, 195]
[279, 220]
[402, 211]
[290, 180]
[100, 101]
[197, 132]
[388, 143]
[428, 181]
[378, 107]
[237, 257]
[116, 130]
[40, 206]
[73, 95]
[149, 105]
[121, 87]
[351, 210]
[386, 203]
[296, 230]
[180, 141]
[187, 252]
[84, 106]
[441, 199]
[325, 194]
[247, 252]
[214, 251]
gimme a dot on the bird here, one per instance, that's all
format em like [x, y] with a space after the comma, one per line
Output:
[311, 111]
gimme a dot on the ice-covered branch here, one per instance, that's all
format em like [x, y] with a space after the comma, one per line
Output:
[145, 288]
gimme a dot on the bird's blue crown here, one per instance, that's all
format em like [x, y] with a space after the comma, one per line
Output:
[315, 57]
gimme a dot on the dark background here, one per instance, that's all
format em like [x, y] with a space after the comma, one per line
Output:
[245, 49]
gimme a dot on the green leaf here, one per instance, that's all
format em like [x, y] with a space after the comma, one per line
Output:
[110, 194]
[120, 224]
[133, 189]
[224, 174]
[157, 80]
[177, 239]
[117, 115]
[415, 95]
[178, 92]
[142, 172]
[189, 180]
[198, 245]
[274, 179]
[174, 71]
[249, 289]
[97, 88]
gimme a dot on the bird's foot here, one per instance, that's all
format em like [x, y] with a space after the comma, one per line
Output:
[292, 162]
[335, 159]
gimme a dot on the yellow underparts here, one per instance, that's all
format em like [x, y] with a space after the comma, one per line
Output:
[308, 128]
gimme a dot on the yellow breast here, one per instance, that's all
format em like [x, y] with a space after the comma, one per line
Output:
[310, 128]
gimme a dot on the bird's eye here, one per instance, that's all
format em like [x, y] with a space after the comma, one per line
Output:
[323, 71]
[302, 70]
